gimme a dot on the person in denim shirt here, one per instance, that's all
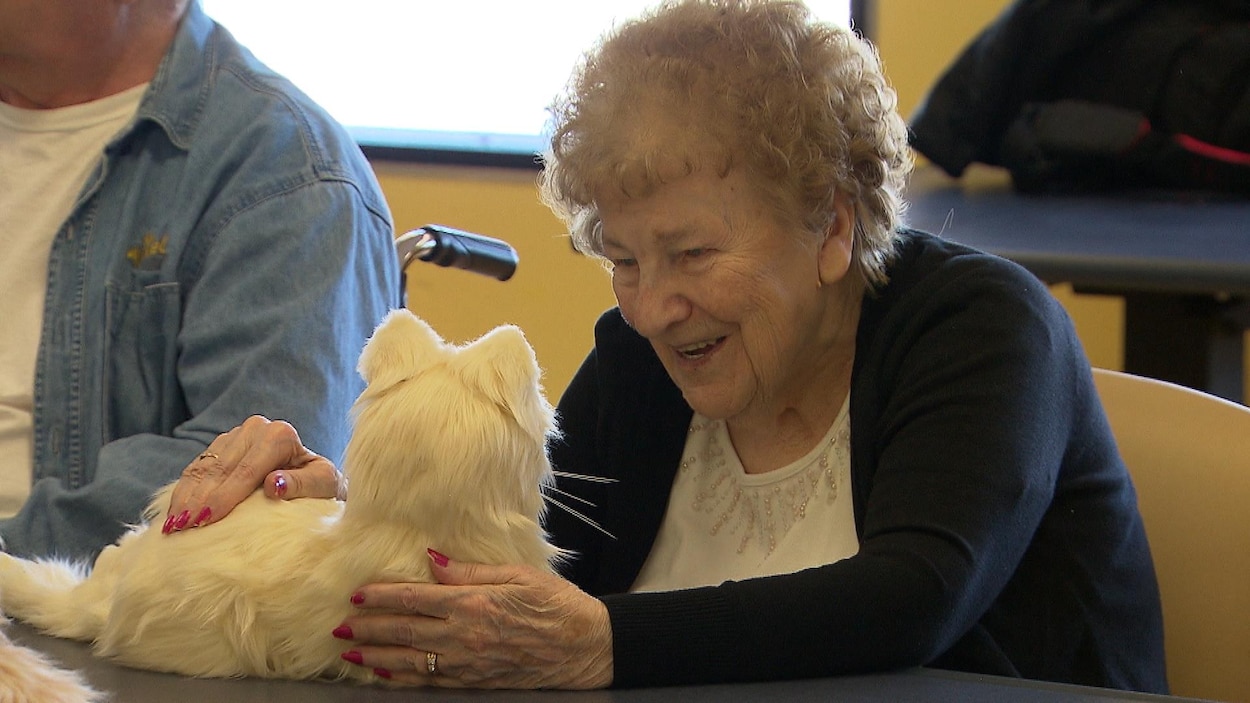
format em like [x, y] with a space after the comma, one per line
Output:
[223, 250]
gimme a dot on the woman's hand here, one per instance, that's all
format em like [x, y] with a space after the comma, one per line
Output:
[482, 627]
[260, 451]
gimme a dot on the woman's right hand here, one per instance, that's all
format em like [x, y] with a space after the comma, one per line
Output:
[258, 452]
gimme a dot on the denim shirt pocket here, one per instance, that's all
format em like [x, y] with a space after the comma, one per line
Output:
[141, 392]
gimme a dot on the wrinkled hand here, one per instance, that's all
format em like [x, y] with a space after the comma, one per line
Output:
[258, 452]
[490, 627]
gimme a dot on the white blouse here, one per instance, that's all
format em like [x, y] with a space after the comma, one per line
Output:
[724, 524]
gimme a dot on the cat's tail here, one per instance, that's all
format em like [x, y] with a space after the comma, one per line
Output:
[26, 676]
[52, 596]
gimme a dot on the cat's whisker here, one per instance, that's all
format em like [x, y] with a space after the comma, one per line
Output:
[566, 494]
[583, 477]
[577, 514]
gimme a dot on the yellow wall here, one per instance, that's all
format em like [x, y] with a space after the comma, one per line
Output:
[556, 295]
[919, 38]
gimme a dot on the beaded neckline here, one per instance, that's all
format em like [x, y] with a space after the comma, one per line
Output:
[760, 508]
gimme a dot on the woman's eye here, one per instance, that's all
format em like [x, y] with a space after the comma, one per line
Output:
[622, 263]
[698, 255]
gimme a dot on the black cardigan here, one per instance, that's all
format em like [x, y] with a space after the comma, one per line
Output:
[998, 527]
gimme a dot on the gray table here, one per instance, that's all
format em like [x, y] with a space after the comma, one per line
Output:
[1180, 261]
[134, 686]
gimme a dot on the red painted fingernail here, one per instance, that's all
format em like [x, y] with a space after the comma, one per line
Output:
[358, 598]
[383, 673]
[279, 485]
[343, 632]
[183, 518]
[438, 558]
[205, 514]
[353, 657]
[169, 524]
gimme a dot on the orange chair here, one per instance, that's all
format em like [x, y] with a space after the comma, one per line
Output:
[1189, 455]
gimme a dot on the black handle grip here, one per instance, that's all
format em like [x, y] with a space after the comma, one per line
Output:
[446, 246]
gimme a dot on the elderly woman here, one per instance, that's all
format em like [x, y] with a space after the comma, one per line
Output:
[838, 445]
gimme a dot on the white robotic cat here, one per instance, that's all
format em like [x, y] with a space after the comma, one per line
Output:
[448, 451]
[26, 676]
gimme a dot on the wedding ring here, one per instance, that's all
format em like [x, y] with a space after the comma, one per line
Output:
[431, 663]
[207, 455]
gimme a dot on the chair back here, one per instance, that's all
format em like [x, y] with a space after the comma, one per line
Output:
[1189, 456]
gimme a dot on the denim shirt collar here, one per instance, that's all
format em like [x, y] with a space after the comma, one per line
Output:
[182, 73]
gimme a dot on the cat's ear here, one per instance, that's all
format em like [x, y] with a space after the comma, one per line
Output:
[502, 365]
[400, 346]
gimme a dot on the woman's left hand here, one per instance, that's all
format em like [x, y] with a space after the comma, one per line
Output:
[482, 627]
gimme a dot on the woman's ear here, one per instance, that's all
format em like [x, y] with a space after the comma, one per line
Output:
[838, 247]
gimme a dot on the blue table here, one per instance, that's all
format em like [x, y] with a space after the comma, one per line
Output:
[1180, 261]
[134, 686]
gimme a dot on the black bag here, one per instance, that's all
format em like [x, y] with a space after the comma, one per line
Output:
[1092, 95]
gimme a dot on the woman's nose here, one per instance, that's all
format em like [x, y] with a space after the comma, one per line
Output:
[658, 304]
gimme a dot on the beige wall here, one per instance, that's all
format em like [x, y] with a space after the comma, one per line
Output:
[556, 295]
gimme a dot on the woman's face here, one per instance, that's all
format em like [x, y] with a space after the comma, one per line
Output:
[729, 297]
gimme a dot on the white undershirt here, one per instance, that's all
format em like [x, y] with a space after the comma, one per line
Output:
[46, 157]
[725, 524]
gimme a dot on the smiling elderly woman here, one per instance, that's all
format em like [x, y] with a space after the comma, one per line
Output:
[838, 445]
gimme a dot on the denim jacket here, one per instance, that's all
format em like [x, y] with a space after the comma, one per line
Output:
[229, 256]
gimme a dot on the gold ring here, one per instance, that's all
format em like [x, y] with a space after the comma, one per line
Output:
[207, 455]
[431, 663]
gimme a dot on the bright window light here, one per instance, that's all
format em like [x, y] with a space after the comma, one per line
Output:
[455, 75]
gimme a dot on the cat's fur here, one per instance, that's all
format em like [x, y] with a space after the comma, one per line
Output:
[27, 676]
[447, 452]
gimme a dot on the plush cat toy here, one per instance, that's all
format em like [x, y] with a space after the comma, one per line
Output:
[26, 676]
[448, 450]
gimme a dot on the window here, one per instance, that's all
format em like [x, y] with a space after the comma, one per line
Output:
[459, 80]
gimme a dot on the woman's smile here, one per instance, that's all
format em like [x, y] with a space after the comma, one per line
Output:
[699, 350]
